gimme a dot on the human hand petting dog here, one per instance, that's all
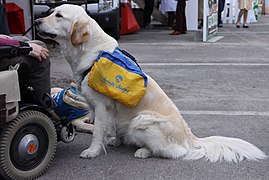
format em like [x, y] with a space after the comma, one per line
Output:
[39, 52]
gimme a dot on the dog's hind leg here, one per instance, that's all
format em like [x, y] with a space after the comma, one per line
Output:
[156, 136]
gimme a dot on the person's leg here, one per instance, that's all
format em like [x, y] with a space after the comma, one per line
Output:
[220, 9]
[171, 17]
[241, 12]
[245, 19]
[34, 77]
[200, 9]
[3, 21]
[180, 17]
[219, 16]
[177, 25]
[149, 5]
[200, 13]
[184, 22]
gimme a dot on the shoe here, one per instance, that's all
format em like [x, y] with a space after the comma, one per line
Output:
[148, 26]
[178, 33]
[170, 28]
[175, 33]
[245, 26]
[220, 24]
[237, 25]
[200, 23]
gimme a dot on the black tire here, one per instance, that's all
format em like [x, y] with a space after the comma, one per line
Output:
[27, 146]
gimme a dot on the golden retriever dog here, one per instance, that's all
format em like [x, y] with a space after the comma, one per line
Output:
[155, 124]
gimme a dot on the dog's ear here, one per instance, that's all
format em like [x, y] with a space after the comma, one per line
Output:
[79, 32]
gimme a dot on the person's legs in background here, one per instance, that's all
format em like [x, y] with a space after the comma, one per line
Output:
[171, 18]
[245, 19]
[149, 6]
[200, 13]
[220, 9]
[3, 21]
[240, 14]
[181, 24]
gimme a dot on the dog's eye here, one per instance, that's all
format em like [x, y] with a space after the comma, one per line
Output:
[58, 15]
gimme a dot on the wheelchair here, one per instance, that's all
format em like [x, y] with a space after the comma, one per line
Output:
[28, 132]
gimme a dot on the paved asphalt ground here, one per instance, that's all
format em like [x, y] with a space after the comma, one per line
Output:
[221, 88]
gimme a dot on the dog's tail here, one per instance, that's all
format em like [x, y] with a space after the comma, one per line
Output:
[217, 148]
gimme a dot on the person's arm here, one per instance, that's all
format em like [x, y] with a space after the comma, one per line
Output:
[38, 51]
[5, 41]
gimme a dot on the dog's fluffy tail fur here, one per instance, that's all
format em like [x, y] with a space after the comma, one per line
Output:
[170, 139]
[217, 148]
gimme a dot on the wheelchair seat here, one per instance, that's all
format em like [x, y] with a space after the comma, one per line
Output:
[9, 84]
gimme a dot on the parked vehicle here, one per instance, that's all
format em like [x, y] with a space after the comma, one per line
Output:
[105, 12]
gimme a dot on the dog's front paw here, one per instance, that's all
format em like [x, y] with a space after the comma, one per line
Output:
[142, 153]
[90, 153]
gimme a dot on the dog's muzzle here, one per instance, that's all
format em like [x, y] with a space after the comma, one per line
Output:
[43, 34]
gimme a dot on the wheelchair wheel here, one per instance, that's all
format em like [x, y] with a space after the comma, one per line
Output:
[27, 146]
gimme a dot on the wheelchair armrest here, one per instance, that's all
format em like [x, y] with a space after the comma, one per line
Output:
[12, 51]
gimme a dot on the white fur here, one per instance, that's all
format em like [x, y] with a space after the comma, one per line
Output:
[155, 124]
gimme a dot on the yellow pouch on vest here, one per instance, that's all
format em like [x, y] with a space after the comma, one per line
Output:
[118, 76]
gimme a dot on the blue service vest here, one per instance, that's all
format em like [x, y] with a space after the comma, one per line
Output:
[64, 110]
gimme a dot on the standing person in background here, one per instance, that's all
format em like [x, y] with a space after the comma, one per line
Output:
[169, 7]
[220, 9]
[200, 13]
[244, 6]
[3, 20]
[149, 6]
[181, 25]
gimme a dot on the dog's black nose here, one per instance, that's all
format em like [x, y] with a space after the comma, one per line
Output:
[38, 22]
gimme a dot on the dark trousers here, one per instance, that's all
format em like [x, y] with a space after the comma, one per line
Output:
[149, 5]
[181, 24]
[171, 18]
[3, 21]
[34, 77]
[220, 9]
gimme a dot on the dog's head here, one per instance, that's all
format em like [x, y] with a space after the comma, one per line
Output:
[67, 22]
